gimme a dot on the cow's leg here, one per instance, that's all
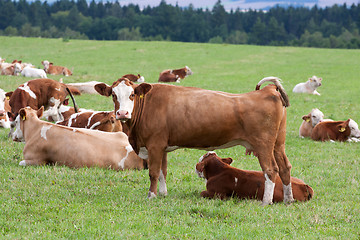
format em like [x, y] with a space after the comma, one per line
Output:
[162, 177]
[283, 162]
[36, 162]
[155, 160]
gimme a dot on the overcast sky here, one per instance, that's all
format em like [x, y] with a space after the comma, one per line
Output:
[242, 4]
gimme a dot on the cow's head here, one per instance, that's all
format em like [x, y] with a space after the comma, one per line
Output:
[46, 64]
[354, 128]
[123, 93]
[188, 71]
[314, 117]
[24, 115]
[212, 160]
[315, 82]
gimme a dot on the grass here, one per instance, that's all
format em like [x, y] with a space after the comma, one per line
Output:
[59, 202]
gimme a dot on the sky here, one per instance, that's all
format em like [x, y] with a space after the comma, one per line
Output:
[242, 4]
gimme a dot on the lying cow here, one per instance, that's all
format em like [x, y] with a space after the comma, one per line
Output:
[308, 87]
[39, 92]
[4, 108]
[47, 143]
[174, 75]
[103, 121]
[134, 78]
[33, 72]
[165, 117]
[224, 181]
[310, 120]
[55, 70]
[336, 131]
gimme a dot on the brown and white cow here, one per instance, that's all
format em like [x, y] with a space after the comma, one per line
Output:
[96, 120]
[134, 78]
[4, 108]
[39, 92]
[224, 181]
[175, 75]
[48, 143]
[336, 131]
[309, 122]
[55, 70]
[166, 117]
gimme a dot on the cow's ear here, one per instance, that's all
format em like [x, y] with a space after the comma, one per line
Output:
[142, 89]
[306, 117]
[66, 101]
[200, 166]
[227, 160]
[22, 114]
[8, 94]
[103, 89]
[342, 127]
[40, 112]
[11, 116]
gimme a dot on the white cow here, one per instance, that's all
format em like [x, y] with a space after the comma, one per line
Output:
[308, 87]
[33, 72]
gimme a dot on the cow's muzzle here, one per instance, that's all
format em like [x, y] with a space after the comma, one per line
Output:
[123, 115]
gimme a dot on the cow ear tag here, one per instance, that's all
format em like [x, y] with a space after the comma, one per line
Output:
[342, 129]
[23, 118]
[7, 97]
[142, 96]
[308, 120]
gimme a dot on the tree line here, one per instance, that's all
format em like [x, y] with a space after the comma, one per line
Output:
[330, 27]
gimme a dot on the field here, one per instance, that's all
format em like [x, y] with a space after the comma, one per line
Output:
[51, 202]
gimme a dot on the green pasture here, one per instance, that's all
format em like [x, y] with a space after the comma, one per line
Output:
[52, 202]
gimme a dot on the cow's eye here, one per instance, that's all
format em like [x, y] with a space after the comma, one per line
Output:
[132, 96]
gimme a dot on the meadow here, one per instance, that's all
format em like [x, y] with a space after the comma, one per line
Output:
[54, 202]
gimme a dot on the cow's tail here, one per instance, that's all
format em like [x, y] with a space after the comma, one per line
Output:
[72, 98]
[276, 81]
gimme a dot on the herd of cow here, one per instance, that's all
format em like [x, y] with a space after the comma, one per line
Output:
[150, 120]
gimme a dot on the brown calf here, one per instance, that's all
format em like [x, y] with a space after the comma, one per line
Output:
[224, 181]
[335, 131]
[48, 143]
[174, 75]
[55, 70]
[134, 78]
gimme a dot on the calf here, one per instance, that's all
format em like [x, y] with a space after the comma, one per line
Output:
[174, 75]
[9, 70]
[310, 120]
[224, 181]
[4, 108]
[103, 121]
[47, 143]
[336, 131]
[134, 78]
[308, 87]
[55, 70]
[33, 72]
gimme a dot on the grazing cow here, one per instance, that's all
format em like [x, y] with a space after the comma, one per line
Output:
[224, 181]
[174, 75]
[48, 143]
[310, 120]
[4, 108]
[55, 70]
[134, 78]
[39, 92]
[308, 87]
[103, 121]
[165, 117]
[33, 72]
[336, 131]
[84, 87]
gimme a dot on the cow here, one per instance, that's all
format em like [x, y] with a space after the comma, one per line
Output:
[165, 117]
[97, 120]
[39, 92]
[309, 122]
[309, 86]
[336, 131]
[4, 108]
[134, 78]
[33, 72]
[224, 181]
[55, 70]
[48, 143]
[175, 75]
[84, 87]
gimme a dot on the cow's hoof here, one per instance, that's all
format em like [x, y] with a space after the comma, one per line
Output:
[151, 195]
[22, 163]
[263, 204]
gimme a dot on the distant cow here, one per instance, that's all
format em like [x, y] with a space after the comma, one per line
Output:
[336, 131]
[103, 121]
[224, 181]
[174, 75]
[55, 70]
[4, 108]
[39, 92]
[308, 87]
[134, 78]
[47, 143]
[33, 72]
[166, 117]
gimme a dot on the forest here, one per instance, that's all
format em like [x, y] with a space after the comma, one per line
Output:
[331, 27]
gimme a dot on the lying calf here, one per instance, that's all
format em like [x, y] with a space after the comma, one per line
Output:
[47, 143]
[225, 181]
[336, 131]
[103, 121]
[309, 86]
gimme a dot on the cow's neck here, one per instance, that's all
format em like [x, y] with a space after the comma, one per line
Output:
[30, 126]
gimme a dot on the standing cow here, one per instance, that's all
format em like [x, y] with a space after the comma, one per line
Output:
[166, 117]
